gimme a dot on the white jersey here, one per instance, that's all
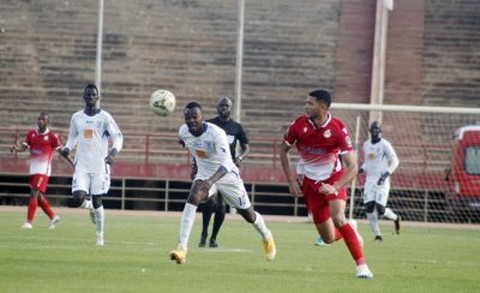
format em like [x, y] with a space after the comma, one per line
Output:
[210, 150]
[379, 158]
[91, 135]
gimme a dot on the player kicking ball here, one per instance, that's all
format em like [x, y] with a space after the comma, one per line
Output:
[209, 146]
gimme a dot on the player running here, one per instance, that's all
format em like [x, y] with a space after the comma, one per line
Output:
[42, 143]
[209, 146]
[215, 203]
[320, 139]
[380, 161]
[91, 129]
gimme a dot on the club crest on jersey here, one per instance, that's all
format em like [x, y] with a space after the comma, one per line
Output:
[327, 133]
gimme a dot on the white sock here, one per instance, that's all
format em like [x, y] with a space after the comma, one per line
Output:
[186, 224]
[260, 226]
[373, 223]
[99, 220]
[389, 214]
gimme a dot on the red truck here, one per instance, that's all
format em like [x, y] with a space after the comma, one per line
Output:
[463, 176]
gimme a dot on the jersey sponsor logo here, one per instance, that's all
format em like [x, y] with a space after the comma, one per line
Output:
[88, 133]
[305, 130]
[314, 151]
[201, 153]
[45, 138]
[371, 156]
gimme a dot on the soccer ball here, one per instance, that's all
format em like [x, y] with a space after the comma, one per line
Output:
[162, 102]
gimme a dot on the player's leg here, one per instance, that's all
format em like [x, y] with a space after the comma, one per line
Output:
[207, 207]
[232, 189]
[99, 213]
[382, 207]
[32, 206]
[350, 235]
[373, 220]
[80, 188]
[43, 202]
[319, 212]
[369, 197]
[100, 184]
[220, 208]
[195, 196]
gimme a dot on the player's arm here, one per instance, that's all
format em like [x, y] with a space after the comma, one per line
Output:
[351, 168]
[67, 158]
[225, 166]
[117, 141]
[243, 139]
[18, 148]
[243, 155]
[393, 163]
[393, 160]
[71, 140]
[285, 161]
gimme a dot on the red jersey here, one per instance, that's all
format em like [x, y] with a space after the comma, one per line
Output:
[319, 147]
[42, 146]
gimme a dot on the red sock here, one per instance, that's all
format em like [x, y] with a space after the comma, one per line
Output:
[32, 207]
[46, 208]
[352, 243]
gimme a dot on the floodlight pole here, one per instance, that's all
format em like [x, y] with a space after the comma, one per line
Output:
[239, 67]
[98, 68]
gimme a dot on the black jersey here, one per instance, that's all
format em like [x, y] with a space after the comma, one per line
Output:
[234, 132]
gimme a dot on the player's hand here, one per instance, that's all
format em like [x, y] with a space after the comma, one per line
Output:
[201, 188]
[65, 152]
[382, 178]
[326, 188]
[295, 189]
[238, 161]
[111, 156]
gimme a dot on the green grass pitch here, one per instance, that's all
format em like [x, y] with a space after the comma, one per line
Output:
[135, 257]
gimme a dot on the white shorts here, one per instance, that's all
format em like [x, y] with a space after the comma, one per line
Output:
[375, 192]
[91, 183]
[232, 190]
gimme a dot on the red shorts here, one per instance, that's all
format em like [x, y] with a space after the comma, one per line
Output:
[39, 182]
[316, 202]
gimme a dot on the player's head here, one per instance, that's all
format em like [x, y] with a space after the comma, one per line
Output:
[375, 130]
[322, 96]
[42, 121]
[194, 118]
[90, 95]
[318, 103]
[224, 107]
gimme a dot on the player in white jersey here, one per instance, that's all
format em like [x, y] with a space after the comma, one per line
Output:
[380, 161]
[91, 129]
[209, 146]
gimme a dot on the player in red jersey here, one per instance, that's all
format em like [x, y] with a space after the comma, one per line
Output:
[42, 143]
[320, 139]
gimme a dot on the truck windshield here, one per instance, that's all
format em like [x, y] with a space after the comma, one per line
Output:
[472, 160]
